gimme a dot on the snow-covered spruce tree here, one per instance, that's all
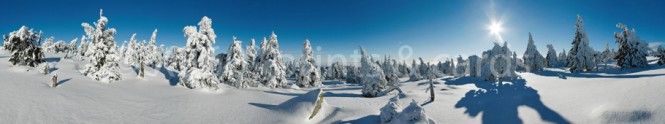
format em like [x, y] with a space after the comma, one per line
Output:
[551, 59]
[338, 71]
[24, 47]
[131, 51]
[198, 61]
[60, 46]
[352, 74]
[83, 48]
[71, 49]
[47, 46]
[102, 52]
[372, 77]
[423, 67]
[460, 69]
[251, 77]
[473, 68]
[660, 53]
[235, 67]
[309, 74]
[632, 52]
[496, 63]
[154, 54]
[415, 72]
[390, 71]
[580, 56]
[390, 111]
[607, 55]
[272, 74]
[563, 58]
[532, 58]
[177, 58]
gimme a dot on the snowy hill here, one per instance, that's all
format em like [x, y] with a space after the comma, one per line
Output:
[550, 96]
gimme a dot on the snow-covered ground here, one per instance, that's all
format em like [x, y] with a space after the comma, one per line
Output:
[550, 96]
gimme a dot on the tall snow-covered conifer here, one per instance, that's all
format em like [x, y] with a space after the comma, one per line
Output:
[532, 58]
[102, 52]
[309, 74]
[632, 52]
[580, 56]
[372, 78]
[198, 63]
[24, 47]
[235, 67]
[551, 59]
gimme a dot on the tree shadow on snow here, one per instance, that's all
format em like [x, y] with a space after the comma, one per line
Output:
[63, 81]
[52, 59]
[370, 119]
[172, 76]
[499, 101]
[565, 75]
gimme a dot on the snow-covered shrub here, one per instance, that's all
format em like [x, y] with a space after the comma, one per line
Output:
[309, 74]
[414, 113]
[532, 58]
[551, 59]
[102, 52]
[632, 52]
[390, 110]
[60, 46]
[24, 47]
[235, 67]
[372, 77]
[198, 63]
[580, 56]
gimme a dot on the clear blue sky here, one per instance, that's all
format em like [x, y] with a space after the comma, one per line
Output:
[431, 27]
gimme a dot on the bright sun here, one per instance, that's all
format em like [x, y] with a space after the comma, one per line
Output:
[495, 28]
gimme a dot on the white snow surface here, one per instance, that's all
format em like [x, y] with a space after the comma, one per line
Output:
[549, 96]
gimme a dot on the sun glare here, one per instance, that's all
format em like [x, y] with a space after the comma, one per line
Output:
[495, 28]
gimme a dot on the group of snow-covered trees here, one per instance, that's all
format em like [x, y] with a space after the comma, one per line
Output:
[198, 66]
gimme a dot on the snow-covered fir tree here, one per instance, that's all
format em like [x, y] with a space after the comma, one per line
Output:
[47, 46]
[250, 51]
[72, 49]
[132, 51]
[563, 58]
[338, 71]
[551, 59]
[532, 58]
[607, 55]
[632, 51]
[415, 72]
[83, 48]
[496, 63]
[154, 54]
[309, 74]
[460, 69]
[352, 74]
[272, 71]
[473, 68]
[177, 58]
[102, 53]
[580, 56]
[660, 53]
[198, 63]
[24, 47]
[60, 46]
[372, 78]
[235, 67]
[390, 71]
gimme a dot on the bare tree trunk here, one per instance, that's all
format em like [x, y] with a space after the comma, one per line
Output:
[142, 68]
